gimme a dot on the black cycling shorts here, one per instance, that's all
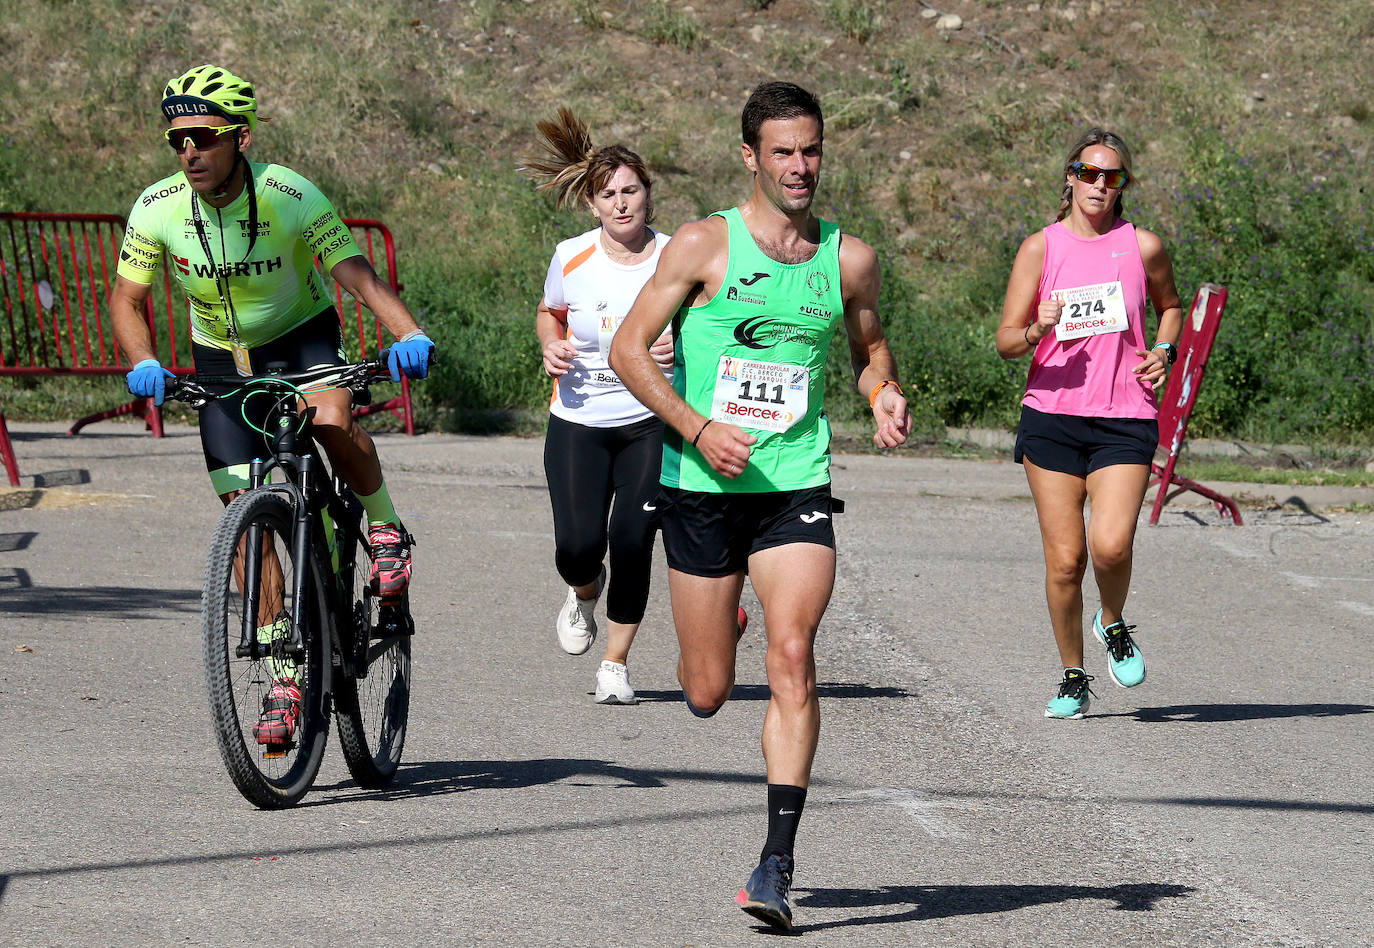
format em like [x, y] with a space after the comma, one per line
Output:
[1073, 444]
[227, 440]
[707, 534]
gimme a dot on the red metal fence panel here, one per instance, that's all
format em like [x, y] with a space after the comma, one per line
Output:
[1180, 395]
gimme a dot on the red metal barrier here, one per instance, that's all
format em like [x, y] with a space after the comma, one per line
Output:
[56, 271]
[7, 453]
[1180, 395]
[355, 328]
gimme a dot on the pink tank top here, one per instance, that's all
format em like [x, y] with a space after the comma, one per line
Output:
[1102, 282]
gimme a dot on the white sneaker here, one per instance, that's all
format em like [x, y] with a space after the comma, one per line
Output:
[576, 620]
[613, 684]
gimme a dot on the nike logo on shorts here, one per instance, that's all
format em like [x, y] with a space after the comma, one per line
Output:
[649, 509]
[813, 516]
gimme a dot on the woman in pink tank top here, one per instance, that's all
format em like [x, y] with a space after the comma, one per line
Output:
[1076, 304]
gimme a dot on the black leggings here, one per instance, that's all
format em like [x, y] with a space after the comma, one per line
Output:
[586, 467]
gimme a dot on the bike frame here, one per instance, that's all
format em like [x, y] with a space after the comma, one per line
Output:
[314, 495]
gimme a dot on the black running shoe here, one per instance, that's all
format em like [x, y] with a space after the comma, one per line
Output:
[764, 896]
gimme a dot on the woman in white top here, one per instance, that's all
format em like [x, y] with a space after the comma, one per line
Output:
[603, 448]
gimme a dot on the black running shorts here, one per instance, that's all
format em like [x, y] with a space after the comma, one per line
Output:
[226, 439]
[1072, 444]
[707, 534]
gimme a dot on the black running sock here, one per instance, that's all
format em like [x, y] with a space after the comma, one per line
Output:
[785, 804]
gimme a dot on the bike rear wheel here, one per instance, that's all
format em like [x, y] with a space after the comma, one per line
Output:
[371, 709]
[270, 777]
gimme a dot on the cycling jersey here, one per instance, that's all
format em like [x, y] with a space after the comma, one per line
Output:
[258, 294]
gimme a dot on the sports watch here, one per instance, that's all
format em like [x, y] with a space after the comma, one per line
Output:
[1170, 350]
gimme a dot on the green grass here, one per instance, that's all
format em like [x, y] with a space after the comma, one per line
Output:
[417, 115]
[1233, 471]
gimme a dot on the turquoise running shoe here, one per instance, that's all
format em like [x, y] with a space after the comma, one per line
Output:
[1124, 662]
[1072, 700]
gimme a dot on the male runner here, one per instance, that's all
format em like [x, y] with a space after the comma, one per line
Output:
[242, 238]
[755, 294]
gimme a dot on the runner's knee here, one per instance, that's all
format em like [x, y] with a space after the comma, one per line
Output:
[705, 701]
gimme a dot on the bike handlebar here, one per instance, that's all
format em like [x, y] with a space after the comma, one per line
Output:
[199, 390]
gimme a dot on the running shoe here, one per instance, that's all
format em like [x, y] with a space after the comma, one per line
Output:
[764, 896]
[281, 713]
[576, 620]
[613, 684]
[1124, 662]
[1073, 698]
[390, 559]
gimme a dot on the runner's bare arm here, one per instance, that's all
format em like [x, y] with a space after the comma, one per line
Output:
[1159, 283]
[689, 271]
[868, 349]
[127, 300]
[1024, 323]
[551, 327]
[361, 282]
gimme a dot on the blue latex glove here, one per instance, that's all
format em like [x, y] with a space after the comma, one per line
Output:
[410, 356]
[148, 380]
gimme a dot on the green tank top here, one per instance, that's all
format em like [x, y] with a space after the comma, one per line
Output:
[266, 292]
[754, 355]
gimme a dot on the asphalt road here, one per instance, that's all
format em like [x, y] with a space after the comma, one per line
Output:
[1226, 801]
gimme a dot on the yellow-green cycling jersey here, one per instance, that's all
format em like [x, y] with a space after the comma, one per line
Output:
[255, 295]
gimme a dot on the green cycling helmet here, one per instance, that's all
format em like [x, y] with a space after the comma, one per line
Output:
[211, 90]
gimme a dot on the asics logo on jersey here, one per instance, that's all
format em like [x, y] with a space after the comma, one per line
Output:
[751, 280]
[747, 332]
[813, 516]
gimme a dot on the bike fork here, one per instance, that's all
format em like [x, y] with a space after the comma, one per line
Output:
[300, 545]
[249, 646]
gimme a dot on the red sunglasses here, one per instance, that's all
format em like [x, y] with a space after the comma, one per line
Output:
[1088, 174]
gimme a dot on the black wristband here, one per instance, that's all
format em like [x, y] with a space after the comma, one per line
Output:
[698, 437]
[1028, 342]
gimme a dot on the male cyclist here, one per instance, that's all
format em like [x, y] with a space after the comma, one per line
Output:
[242, 238]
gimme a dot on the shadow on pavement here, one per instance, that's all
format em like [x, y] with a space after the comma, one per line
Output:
[919, 902]
[435, 778]
[1213, 713]
[578, 824]
[12, 577]
[110, 600]
[66, 478]
[826, 689]
[13, 542]
[1257, 803]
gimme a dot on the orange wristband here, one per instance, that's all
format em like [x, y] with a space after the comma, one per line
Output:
[873, 395]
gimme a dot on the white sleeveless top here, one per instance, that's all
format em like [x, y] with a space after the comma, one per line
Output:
[596, 293]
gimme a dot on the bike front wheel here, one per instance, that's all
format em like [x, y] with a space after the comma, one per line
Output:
[372, 706]
[277, 774]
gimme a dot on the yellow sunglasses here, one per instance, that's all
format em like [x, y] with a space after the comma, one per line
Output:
[202, 136]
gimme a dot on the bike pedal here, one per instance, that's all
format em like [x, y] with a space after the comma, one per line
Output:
[274, 754]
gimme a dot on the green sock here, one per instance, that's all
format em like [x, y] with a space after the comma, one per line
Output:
[267, 634]
[379, 508]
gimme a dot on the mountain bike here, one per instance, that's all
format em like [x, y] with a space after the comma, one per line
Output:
[288, 596]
